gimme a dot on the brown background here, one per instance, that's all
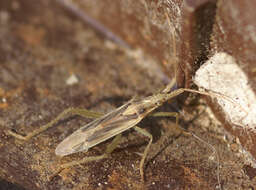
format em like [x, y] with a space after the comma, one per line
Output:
[42, 44]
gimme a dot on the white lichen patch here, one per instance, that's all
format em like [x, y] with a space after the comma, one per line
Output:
[221, 74]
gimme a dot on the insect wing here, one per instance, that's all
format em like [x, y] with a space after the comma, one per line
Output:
[99, 130]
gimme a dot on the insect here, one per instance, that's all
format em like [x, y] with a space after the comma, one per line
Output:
[113, 124]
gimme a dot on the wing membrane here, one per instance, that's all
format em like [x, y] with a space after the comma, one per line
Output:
[100, 129]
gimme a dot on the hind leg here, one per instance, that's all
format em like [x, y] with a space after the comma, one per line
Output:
[68, 111]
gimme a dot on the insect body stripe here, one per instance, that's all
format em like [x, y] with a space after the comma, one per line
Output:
[107, 117]
[106, 127]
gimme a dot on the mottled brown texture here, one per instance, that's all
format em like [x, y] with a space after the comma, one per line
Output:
[142, 24]
[235, 33]
[196, 28]
[41, 45]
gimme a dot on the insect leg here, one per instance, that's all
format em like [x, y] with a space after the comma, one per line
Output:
[167, 114]
[109, 150]
[72, 111]
[176, 115]
[147, 134]
[111, 147]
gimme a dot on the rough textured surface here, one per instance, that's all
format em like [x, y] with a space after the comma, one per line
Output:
[144, 24]
[234, 33]
[201, 28]
[222, 74]
[41, 47]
